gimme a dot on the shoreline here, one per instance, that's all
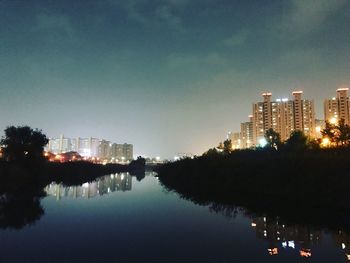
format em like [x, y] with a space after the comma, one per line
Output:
[304, 186]
[70, 173]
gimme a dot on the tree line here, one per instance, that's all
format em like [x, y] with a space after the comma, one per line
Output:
[333, 135]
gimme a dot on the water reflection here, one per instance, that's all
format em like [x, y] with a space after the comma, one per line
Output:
[101, 186]
[299, 238]
[20, 204]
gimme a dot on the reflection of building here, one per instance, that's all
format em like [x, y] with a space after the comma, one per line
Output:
[103, 185]
[281, 236]
[342, 240]
[283, 116]
[338, 107]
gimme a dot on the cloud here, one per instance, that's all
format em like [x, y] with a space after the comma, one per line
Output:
[308, 15]
[165, 14]
[54, 27]
[133, 11]
[195, 61]
[153, 12]
[237, 39]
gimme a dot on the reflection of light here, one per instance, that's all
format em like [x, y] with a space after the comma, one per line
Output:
[122, 176]
[86, 185]
[291, 244]
[273, 251]
[253, 224]
[305, 252]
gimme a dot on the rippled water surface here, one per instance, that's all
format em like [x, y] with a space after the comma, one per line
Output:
[118, 218]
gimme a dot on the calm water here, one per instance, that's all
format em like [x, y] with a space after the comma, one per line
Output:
[120, 219]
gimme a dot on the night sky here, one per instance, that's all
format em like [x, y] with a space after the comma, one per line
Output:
[168, 76]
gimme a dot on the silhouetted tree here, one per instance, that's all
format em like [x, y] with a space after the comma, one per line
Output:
[211, 152]
[329, 132]
[221, 146]
[227, 146]
[273, 139]
[23, 143]
[343, 133]
[297, 141]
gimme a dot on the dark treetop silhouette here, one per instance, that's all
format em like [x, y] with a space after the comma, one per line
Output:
[23, 143]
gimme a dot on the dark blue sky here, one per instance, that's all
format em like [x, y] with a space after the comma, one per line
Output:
[168, 76]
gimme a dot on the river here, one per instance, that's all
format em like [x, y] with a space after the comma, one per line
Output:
[119, 218]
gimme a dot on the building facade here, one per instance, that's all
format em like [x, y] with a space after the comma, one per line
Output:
[91, 147]
[247, 133]
[338, 107]
[283, 116]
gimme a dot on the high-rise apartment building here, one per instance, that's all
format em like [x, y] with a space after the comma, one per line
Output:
[59, 145]
[338, 107]
[91, 147]
[128, 151]
[121, 151]
[104, 149]
[236, 141]
[87, 147]
[283, 116]
[247, 133]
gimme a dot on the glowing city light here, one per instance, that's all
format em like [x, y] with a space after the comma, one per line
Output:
[325, 142]
[333, 120]
[262, 142]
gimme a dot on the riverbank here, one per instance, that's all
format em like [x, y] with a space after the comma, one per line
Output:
[312, 182]
[70, 173]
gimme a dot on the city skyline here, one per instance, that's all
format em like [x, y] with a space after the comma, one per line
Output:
[166, 76]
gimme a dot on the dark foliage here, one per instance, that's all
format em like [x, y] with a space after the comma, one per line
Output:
[22, 143]
[290, 183]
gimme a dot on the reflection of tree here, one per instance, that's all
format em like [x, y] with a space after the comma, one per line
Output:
[19, 211]
[20, 196]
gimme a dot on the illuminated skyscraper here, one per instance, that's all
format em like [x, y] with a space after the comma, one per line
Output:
[338, 107]
[283, 116]
[236, 141]
[104, 149]
[59, 145]
[247, 133]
